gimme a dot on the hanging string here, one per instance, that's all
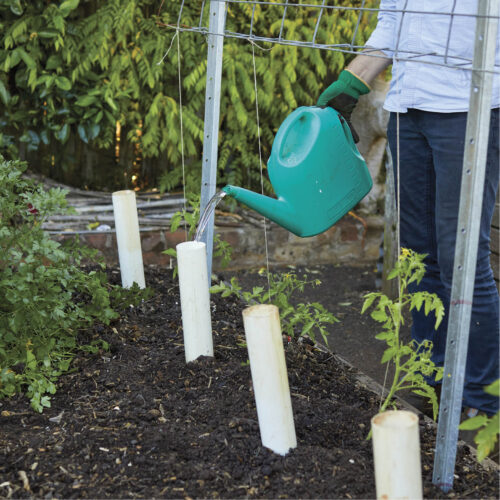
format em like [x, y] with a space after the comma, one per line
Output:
[395, 76]
[395, 69]
[182, 132]
[260, 165]
[168, 50]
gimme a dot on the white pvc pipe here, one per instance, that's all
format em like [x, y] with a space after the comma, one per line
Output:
[195, 299]
[269, 377]
[128, 238]
[396, 453]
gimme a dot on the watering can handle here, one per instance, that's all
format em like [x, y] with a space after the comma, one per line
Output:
[349, 132]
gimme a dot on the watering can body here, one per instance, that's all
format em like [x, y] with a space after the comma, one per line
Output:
[316, 171]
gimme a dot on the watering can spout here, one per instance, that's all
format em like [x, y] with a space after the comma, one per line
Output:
[277, 210]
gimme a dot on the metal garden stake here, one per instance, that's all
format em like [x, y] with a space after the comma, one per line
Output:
[211, 126]
[471, 196]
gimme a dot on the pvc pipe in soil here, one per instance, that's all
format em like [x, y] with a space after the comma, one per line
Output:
[396, 453]
[269, 377]
[195, 299]
[128, 238]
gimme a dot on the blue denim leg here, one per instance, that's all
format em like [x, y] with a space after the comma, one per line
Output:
[431, 155]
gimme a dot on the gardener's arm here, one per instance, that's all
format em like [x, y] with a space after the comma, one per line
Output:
[366, 66]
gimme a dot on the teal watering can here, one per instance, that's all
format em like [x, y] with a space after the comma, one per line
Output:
[316, 171]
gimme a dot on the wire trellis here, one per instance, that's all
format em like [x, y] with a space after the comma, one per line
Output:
[444, 57]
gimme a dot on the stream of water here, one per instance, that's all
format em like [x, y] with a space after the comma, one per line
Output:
[205, 216]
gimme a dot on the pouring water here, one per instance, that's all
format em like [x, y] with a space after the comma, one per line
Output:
[207, 213]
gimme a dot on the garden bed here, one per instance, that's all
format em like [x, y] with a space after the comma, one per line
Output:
[136, 421]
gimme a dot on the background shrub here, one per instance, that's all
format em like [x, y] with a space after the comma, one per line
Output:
[46, 296]
[74, 72]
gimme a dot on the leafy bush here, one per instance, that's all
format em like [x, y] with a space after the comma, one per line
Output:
[71, 70]
[45, 296]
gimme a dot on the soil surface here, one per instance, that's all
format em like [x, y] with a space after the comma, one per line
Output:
[136, 421]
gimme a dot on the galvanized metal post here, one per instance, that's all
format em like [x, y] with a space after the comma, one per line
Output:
[211, 128]
[473, 174]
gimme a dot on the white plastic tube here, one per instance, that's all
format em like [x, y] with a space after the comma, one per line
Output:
[396, 453]
[269, 377]
[128, 239]
[195, 299]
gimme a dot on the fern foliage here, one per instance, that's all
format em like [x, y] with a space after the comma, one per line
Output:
[71, 70]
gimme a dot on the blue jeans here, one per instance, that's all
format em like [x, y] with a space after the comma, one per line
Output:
[431, 149]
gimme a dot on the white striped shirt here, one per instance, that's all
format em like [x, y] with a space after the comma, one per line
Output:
[434, 34]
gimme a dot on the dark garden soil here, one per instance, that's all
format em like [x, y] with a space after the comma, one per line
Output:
[136, 421]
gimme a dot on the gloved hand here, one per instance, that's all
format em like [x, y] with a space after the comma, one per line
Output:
[342, 95]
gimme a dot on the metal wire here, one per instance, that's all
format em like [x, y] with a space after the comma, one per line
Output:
[346, 8]
[443, 59]
[357, 23]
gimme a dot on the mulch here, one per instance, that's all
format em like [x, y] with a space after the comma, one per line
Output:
[137, 422]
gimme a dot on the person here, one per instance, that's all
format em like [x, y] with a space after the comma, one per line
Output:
[428, 100]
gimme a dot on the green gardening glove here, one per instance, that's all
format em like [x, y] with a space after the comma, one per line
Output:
[342, 95]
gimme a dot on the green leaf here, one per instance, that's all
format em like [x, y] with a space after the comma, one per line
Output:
[30, 360]
[15, 59]
[48, 33]
[307, 327]
[379, 315]
[62, 134]
[170, 251]
[111, 103]
[28, 60]
[67, 6]
[45, 401]
[63, 83]
[384, 335]
[369, 298]
[16, 7]
[416, 301]
[487, 437]
[393, 274]
[94, 130]
[44, 136]
[427, 307]
[388, 355]
[439, 312]
[4, 93]
[493, 388]
[86, 101]
[473, 423]
[53, 62]
[82, 132]
[217, 288]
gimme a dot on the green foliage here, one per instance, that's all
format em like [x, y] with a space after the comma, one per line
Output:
[45, 297]
[489, 427]
[411, 361]
[69, 71]
[302, 319]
